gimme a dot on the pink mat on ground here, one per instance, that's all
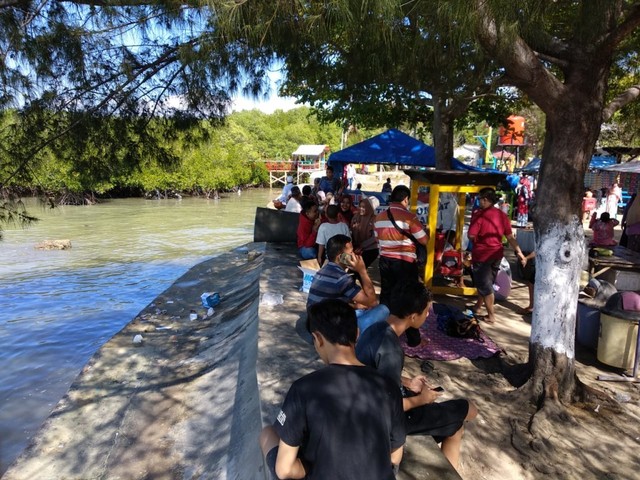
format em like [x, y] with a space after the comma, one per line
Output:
[440, 346]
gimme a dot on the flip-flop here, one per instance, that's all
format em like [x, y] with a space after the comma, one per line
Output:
[427, 366]
[526, 311]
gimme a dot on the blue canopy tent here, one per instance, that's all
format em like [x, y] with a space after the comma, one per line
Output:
[598, 162]
[395, 148]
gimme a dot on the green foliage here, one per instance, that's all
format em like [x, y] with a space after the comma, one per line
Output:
[100, 155]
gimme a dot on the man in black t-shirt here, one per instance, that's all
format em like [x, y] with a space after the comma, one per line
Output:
[342, 422]
[380, 347]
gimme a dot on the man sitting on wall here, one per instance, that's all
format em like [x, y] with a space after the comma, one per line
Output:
[333, 282]
[330, 183]
[281, 201]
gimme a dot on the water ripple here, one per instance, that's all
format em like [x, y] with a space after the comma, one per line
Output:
[59, 307]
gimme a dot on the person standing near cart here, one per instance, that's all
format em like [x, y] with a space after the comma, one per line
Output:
[398, 230]
[488, 226]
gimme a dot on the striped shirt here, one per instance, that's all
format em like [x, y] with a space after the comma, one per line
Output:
[332, 282]
[394, 244]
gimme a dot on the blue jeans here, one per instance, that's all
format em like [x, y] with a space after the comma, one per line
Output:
[368, 317]
[307, 253]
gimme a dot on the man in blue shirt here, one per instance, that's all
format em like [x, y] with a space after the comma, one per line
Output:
[329, 183]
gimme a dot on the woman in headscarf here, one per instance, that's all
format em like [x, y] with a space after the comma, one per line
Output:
[363, 237]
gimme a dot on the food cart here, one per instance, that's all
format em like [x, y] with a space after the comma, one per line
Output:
[430, 184]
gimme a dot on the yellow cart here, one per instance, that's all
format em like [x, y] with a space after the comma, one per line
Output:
[441, 181]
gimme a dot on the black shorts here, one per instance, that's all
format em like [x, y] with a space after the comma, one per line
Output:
[528, 272]
[440, 420]
[270, 460]
[484, 276]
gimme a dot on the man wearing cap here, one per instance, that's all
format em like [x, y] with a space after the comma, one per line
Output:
[286, 190]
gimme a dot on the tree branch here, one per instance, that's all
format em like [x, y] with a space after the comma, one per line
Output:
[626, 28]
[519, 60]
[629, 95]
[563, 64]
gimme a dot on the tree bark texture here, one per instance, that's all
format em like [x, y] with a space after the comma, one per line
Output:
[572, 129]
[442, 133]
[559, 257]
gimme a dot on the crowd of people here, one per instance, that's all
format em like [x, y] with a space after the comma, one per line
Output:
[356, 334]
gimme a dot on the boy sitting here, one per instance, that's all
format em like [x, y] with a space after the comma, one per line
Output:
[380, 347]
[343, 421]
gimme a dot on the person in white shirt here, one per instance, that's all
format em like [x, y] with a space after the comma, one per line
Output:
[293, 204]
[351, 175]
[286, 190]
[328, 229]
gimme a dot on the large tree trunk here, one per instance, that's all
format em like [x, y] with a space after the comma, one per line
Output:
[442, 132]
[572, 129]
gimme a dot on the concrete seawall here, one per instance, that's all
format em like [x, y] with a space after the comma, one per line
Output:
[184, 404]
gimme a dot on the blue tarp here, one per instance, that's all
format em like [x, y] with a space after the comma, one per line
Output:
[395, 148]
[598, 162]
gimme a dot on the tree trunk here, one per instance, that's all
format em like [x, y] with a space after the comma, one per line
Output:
[572, 129]
[442, 133]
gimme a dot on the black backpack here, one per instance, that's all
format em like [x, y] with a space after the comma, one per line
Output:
[462, 326]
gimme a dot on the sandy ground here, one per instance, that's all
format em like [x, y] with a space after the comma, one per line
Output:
[580, 441]
[586, 441]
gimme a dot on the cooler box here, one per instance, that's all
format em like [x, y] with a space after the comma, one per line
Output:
[618, 338]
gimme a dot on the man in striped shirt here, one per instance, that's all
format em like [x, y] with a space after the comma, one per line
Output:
[397, 251]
